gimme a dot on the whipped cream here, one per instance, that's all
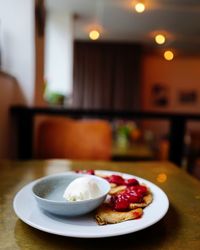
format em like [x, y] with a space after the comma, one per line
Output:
[82, 188]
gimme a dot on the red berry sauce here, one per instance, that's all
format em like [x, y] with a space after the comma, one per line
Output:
[118, 180]
[122, 200]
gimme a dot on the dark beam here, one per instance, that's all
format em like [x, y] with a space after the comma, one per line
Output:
[176, 138]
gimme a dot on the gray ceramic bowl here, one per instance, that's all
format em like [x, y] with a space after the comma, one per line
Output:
[49, 190]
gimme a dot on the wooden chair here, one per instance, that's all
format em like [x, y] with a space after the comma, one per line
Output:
[74, 139]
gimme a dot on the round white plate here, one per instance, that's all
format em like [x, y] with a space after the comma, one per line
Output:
[86, 227]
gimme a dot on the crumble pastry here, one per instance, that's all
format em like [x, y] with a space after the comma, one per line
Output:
[127, 199]
[106, 215]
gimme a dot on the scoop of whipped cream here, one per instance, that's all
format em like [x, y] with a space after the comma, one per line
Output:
[82, 188]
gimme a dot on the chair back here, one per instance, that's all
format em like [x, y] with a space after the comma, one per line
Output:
[74, 139]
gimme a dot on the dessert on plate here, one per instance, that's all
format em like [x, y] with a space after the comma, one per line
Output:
[126, 200]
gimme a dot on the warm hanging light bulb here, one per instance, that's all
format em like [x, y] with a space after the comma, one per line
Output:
[94, 34]
[160, 39]
[168, 55]
[140, 7]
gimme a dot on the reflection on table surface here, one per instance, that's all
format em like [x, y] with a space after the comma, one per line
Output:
[179, 229]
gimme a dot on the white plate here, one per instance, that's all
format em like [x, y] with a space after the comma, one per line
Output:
[85, 227]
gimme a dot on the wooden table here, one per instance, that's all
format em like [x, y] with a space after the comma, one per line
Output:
[179, 229]
[132, 152]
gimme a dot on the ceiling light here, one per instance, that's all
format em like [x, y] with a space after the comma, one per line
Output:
[160, 39]
[94, 34]
[140, 7]
[168, 55]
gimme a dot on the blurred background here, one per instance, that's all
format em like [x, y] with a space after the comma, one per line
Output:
[124, 56]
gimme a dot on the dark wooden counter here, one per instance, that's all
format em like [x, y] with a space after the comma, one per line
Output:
[24, 118]
[132, 152]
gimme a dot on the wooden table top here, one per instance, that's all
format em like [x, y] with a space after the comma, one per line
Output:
[134, 152]
[179, 229]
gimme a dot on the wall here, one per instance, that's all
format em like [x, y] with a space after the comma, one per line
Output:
[18, 44]
[180, 74]
[59, 52]
[18, 59]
